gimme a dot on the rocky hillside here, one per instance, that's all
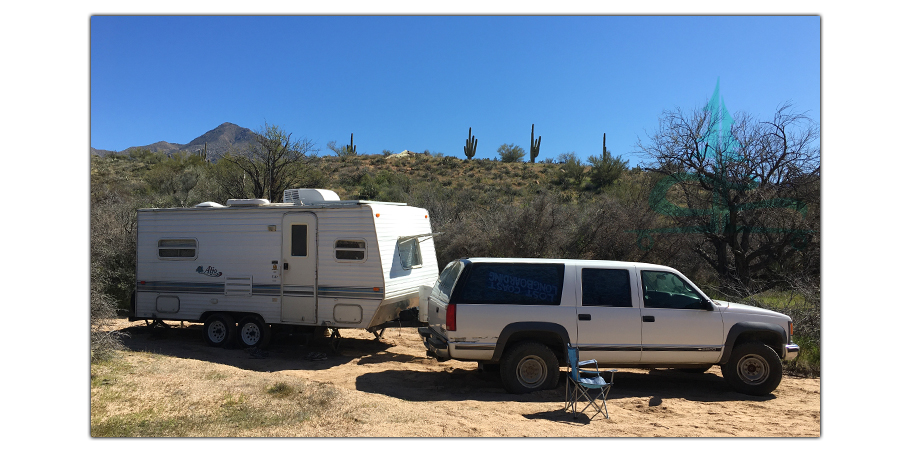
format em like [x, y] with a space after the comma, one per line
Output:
[216, 141]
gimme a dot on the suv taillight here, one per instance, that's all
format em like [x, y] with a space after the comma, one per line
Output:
[451, 317]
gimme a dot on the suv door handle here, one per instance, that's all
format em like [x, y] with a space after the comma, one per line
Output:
[584, 317]
[648, 318]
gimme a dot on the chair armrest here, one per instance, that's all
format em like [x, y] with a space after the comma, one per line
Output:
[612, 374]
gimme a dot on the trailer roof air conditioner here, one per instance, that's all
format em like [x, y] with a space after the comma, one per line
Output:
[309, 196]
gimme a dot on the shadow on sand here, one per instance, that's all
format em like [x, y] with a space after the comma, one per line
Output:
[288, 352]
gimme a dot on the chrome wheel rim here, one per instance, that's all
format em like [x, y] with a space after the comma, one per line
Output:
[531, 371]
[753, 369]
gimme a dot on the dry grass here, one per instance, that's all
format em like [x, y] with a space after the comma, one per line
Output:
[147, 395]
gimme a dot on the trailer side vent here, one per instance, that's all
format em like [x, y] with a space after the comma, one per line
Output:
[239, 285]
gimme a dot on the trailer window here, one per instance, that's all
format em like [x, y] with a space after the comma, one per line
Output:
[177, 249]
[298, 240]
[410, 255]
[350, 250]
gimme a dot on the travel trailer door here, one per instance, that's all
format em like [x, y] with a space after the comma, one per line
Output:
[299, 270]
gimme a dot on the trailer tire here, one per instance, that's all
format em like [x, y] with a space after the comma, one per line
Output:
[254, 332]
[219, 330]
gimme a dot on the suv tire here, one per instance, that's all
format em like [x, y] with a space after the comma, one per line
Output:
[528, 367]
[753, 369]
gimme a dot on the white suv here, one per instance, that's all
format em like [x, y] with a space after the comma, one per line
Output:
[520, 313]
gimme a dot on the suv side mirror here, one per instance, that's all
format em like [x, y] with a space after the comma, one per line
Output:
[708, 305]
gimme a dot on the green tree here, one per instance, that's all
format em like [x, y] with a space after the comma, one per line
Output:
[606, 169]
[270, 165]
[744, 192]
[176, 176]
[510, 153]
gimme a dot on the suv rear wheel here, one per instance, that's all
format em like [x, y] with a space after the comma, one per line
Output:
[527, 367]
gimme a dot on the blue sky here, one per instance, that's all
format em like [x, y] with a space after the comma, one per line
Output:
[420, 82]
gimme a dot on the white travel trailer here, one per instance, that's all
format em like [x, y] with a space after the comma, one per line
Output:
[311, 261]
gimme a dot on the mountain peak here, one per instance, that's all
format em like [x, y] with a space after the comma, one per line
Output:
[218, 141]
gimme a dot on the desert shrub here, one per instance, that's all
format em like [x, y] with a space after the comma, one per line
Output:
[113, 225]
[367, 188]
[104, 341]
[800, 298]
[510, 153]
[606, 169]
[571, 171]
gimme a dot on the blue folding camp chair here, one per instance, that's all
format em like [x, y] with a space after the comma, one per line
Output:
[580, 382]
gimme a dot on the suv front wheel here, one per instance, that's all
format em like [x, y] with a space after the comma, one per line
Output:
[753, 369]
[527, 367]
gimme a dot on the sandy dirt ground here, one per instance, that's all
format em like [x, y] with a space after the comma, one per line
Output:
[395, 390]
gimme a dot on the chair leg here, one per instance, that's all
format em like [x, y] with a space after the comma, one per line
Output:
[603, 394]
[575, 391]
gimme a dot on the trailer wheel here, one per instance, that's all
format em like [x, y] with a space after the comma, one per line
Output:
[219, 330]
[253, 331]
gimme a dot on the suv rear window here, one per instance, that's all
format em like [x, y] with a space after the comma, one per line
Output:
[513, 283]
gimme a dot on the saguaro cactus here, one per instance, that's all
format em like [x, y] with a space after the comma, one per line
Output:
[351, 149]
[471, 145]
[535, 147]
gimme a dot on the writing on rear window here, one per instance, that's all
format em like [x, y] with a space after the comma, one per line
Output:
[522, 286]
[512, 283]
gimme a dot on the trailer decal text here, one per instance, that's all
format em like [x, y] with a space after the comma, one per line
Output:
[209, 271]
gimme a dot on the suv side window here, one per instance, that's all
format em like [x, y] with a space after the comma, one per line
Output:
[605, 287]
[666, 290]
[513, 283]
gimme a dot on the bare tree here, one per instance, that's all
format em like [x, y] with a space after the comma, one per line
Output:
[748, 189]
[273, 163]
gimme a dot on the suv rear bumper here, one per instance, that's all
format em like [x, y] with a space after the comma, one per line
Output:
[791, 351]
[436, 344]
